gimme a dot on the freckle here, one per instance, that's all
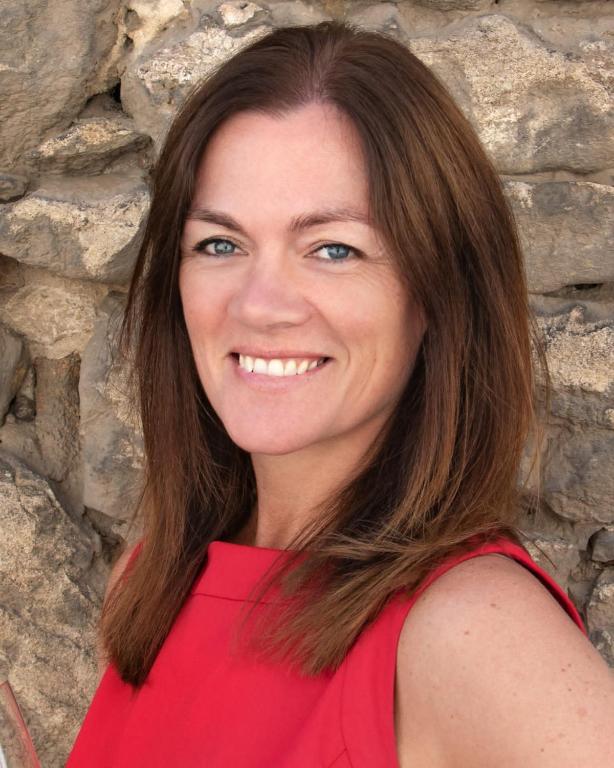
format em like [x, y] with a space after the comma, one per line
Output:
[582, 711]
[563, 669]
[466, 632]
[569, 689]
[541, 749]
[569, 664]
[493, 605]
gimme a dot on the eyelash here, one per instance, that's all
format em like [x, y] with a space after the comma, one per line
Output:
[200, 248]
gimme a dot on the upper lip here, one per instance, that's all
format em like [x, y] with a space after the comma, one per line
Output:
[272, 353]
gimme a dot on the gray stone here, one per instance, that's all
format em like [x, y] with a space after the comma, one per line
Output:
[13, 366]
[24, 406]
[146, 22]
[566, 230]
[89, 227]
[379, 17]
[602, 545]
[111, 441]
[51, 585]
[600, 615]
[577, 482]
[578, 337]
[299, 12]
[238, 12]
[57, 414]
[55, 55]
[155, 84]
[64, 316]
[12, 186]
[557, 556]
[548, 112]
[90, 146]
[455, 5]
[578, 478]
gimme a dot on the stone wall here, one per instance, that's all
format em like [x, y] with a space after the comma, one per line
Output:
[87, 92]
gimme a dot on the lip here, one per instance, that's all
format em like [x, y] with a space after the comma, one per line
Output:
[269, 354]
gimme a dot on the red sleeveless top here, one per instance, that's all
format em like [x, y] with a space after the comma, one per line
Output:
[201, 707]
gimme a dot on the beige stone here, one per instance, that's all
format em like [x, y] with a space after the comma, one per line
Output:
[110, 435]
[47, 624]
[81, 228]
[90, 146]
[156, 84]
[54, 56]
[56, 315]
[600, 614]
[567, 231]
[542, 111]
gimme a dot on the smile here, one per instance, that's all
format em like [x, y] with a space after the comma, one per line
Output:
[266, 375]
[277, 366]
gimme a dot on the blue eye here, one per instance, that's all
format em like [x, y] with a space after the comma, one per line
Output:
[200, 247]
[341, 251]
[340, 254]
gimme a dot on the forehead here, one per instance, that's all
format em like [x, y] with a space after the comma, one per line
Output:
[312, 156]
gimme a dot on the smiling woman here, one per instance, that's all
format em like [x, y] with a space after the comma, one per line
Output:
[284, 297]
[332, 347]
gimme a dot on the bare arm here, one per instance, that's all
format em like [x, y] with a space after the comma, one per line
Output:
[492, 671]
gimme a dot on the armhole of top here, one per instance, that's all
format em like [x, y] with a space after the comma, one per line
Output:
[520, 554]
[135, 550]
[368, 687]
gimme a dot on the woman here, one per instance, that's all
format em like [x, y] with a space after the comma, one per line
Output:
[332, 345]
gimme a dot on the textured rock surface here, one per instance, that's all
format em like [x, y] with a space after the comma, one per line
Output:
[548, 112]
[579, 341]
[600, 614]
[88, 228]
[13, 355]
[155, 84]
[64, 316]
[111, 443]
[89, 146]
[90, 90]
[52, 585]
[35, 100]
[567, 231]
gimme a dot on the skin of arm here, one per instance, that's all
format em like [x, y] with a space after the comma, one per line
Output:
[491, 671]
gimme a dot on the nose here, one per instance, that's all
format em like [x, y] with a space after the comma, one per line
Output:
[269, 293]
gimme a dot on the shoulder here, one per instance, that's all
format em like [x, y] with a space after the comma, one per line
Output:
[490, 664]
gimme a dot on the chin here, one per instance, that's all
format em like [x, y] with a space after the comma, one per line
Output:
[268, 444]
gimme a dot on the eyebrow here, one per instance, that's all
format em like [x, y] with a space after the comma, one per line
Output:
[297, 223]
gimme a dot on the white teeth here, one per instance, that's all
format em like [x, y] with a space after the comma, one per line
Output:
[260, 365]
[277, 367]
[290, 368]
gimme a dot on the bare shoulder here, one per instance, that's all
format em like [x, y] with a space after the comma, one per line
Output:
[490, 664]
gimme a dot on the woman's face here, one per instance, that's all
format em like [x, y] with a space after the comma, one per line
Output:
[295, 271]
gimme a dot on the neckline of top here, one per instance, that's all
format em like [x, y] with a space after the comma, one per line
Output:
[219, 544]
[231, 570]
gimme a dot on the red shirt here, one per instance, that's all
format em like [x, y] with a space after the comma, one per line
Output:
[202, 707]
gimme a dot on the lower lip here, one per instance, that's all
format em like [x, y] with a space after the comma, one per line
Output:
[264, 382]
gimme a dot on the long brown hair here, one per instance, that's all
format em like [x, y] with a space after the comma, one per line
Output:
[445, 467]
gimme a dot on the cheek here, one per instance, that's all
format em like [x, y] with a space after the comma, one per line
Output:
[199, 307]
